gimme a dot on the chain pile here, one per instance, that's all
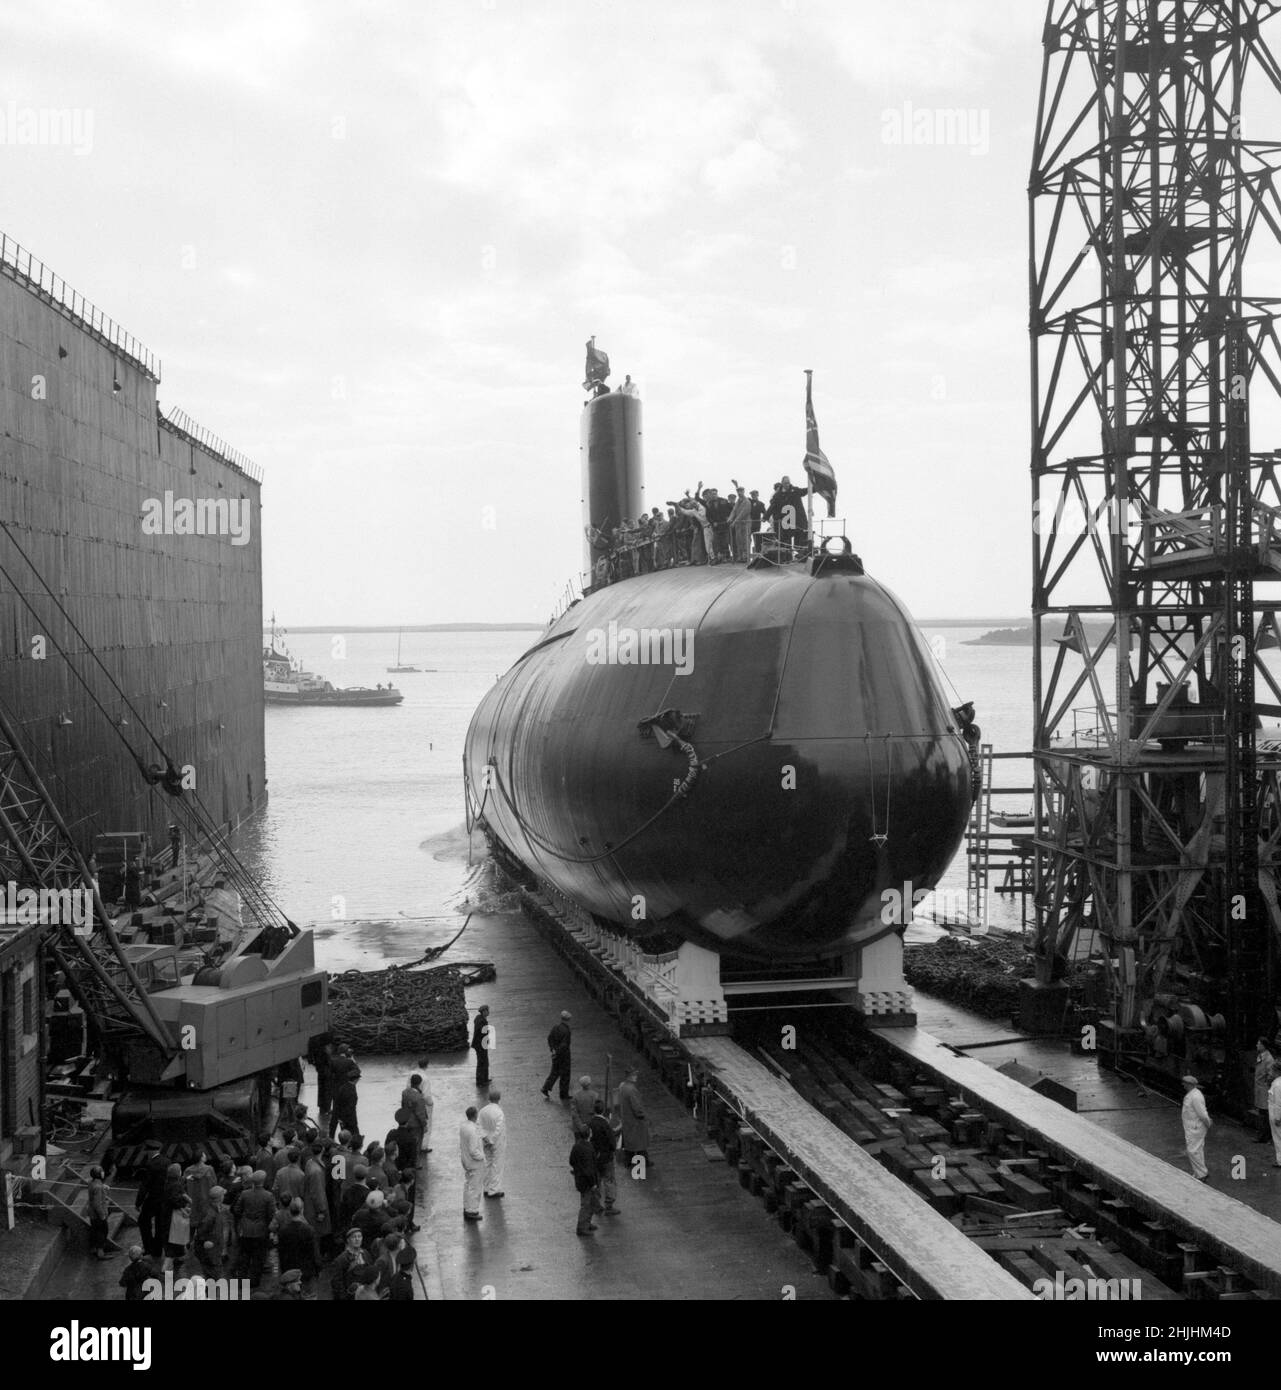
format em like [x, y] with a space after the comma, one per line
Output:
[404, 1009]
[982, 975]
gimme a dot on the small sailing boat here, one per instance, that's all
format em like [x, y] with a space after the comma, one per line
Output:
[398, 668]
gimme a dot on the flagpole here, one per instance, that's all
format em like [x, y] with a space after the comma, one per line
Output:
[809, 472]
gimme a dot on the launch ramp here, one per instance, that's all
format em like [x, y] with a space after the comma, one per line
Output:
[920, 1247]
[1217, 1224]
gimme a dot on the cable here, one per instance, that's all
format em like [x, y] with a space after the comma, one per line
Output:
[696, 764]
[254, 893]
[584, 859]
[889, 784]
[4, 525]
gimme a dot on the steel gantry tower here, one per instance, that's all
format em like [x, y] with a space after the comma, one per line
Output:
[1157, 526]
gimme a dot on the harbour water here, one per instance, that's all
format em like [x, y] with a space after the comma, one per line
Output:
[364, 832]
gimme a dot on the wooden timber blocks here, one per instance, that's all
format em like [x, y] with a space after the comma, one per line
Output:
[865, 1275]
[814, 1233]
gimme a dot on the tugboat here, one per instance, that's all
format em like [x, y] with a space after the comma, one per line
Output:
[284, 682]
[398, 669]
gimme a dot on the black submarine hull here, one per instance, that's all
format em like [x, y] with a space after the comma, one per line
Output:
[816, 762]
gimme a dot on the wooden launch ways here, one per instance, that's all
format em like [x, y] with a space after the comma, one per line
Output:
[888, 1224]
[1238, 1237]
[886, 1219]
[921, 1248]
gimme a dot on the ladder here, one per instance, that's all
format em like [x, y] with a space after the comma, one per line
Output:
[37, 851]
[978, 840]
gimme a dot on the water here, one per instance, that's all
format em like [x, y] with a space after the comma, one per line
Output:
[363, 834]
[364, 824]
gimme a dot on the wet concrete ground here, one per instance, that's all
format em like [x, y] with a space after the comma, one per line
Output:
[1239, 1167]
[687, 1231]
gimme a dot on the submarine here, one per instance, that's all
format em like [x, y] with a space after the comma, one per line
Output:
[752, 758]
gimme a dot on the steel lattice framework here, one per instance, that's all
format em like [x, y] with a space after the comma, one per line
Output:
[1158, 805]
[37, 851]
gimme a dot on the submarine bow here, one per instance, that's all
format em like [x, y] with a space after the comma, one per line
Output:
[744, 757]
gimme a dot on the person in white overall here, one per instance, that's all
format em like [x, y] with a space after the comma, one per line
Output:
[493, 1136]
[1196, 1125]
[1274, 1113]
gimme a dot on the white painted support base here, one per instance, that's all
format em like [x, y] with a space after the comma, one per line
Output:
[878, 968]
[697, 981]
[684, 985]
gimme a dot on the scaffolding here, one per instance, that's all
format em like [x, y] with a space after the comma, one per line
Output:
[1157, 831]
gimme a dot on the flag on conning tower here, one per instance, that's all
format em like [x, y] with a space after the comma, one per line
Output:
[822, 478]
[597, 368]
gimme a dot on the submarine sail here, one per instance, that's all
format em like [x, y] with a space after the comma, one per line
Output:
[744, 756]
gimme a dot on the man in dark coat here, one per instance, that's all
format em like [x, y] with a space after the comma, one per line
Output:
[681, 531]
[151, 1201]
[345, 1075]
[254, 1211]
[582, 1163]
[352, 1258]
[290, 1180]
[401, 1288]
[406, 1137]
[558, 1044]
[320, 1055]
[603, 1133]
[417, 1099]
[480, 1045]
[635, 1121]
[136, 1273]
[215, 1236]
[370, 1218]
[352, 1194]
[315, 1198]
[265, 1158]
[787, 512]
[296, 1242]
[718, 513]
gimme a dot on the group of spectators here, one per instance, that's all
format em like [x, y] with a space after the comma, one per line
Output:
[306, 1203]
[701, 528]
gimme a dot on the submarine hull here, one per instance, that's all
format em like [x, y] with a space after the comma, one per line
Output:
[809, 760]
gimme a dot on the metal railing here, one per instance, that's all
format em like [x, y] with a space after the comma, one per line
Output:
[20, 265]
[1202, 724]
[180, 423]
[1168, 536]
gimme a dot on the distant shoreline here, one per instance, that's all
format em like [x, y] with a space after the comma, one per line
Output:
[970, 622]
[1022, 636]
[540, 627]
[420, 627]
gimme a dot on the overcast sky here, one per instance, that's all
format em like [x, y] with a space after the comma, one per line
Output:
[368, 242]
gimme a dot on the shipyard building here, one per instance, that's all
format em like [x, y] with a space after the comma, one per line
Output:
[92, 480]
[130, 604]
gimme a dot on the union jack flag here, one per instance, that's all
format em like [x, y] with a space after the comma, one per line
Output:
[822, 478]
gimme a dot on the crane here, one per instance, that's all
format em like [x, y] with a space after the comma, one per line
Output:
[1158, 799]
[192, 1049]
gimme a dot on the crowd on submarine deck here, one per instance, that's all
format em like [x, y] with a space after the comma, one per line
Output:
[701, 528]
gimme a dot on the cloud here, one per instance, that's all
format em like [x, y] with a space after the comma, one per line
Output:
[749, 166]
[704, 187]
[609, 127]
[239, 276]
[926, 45]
